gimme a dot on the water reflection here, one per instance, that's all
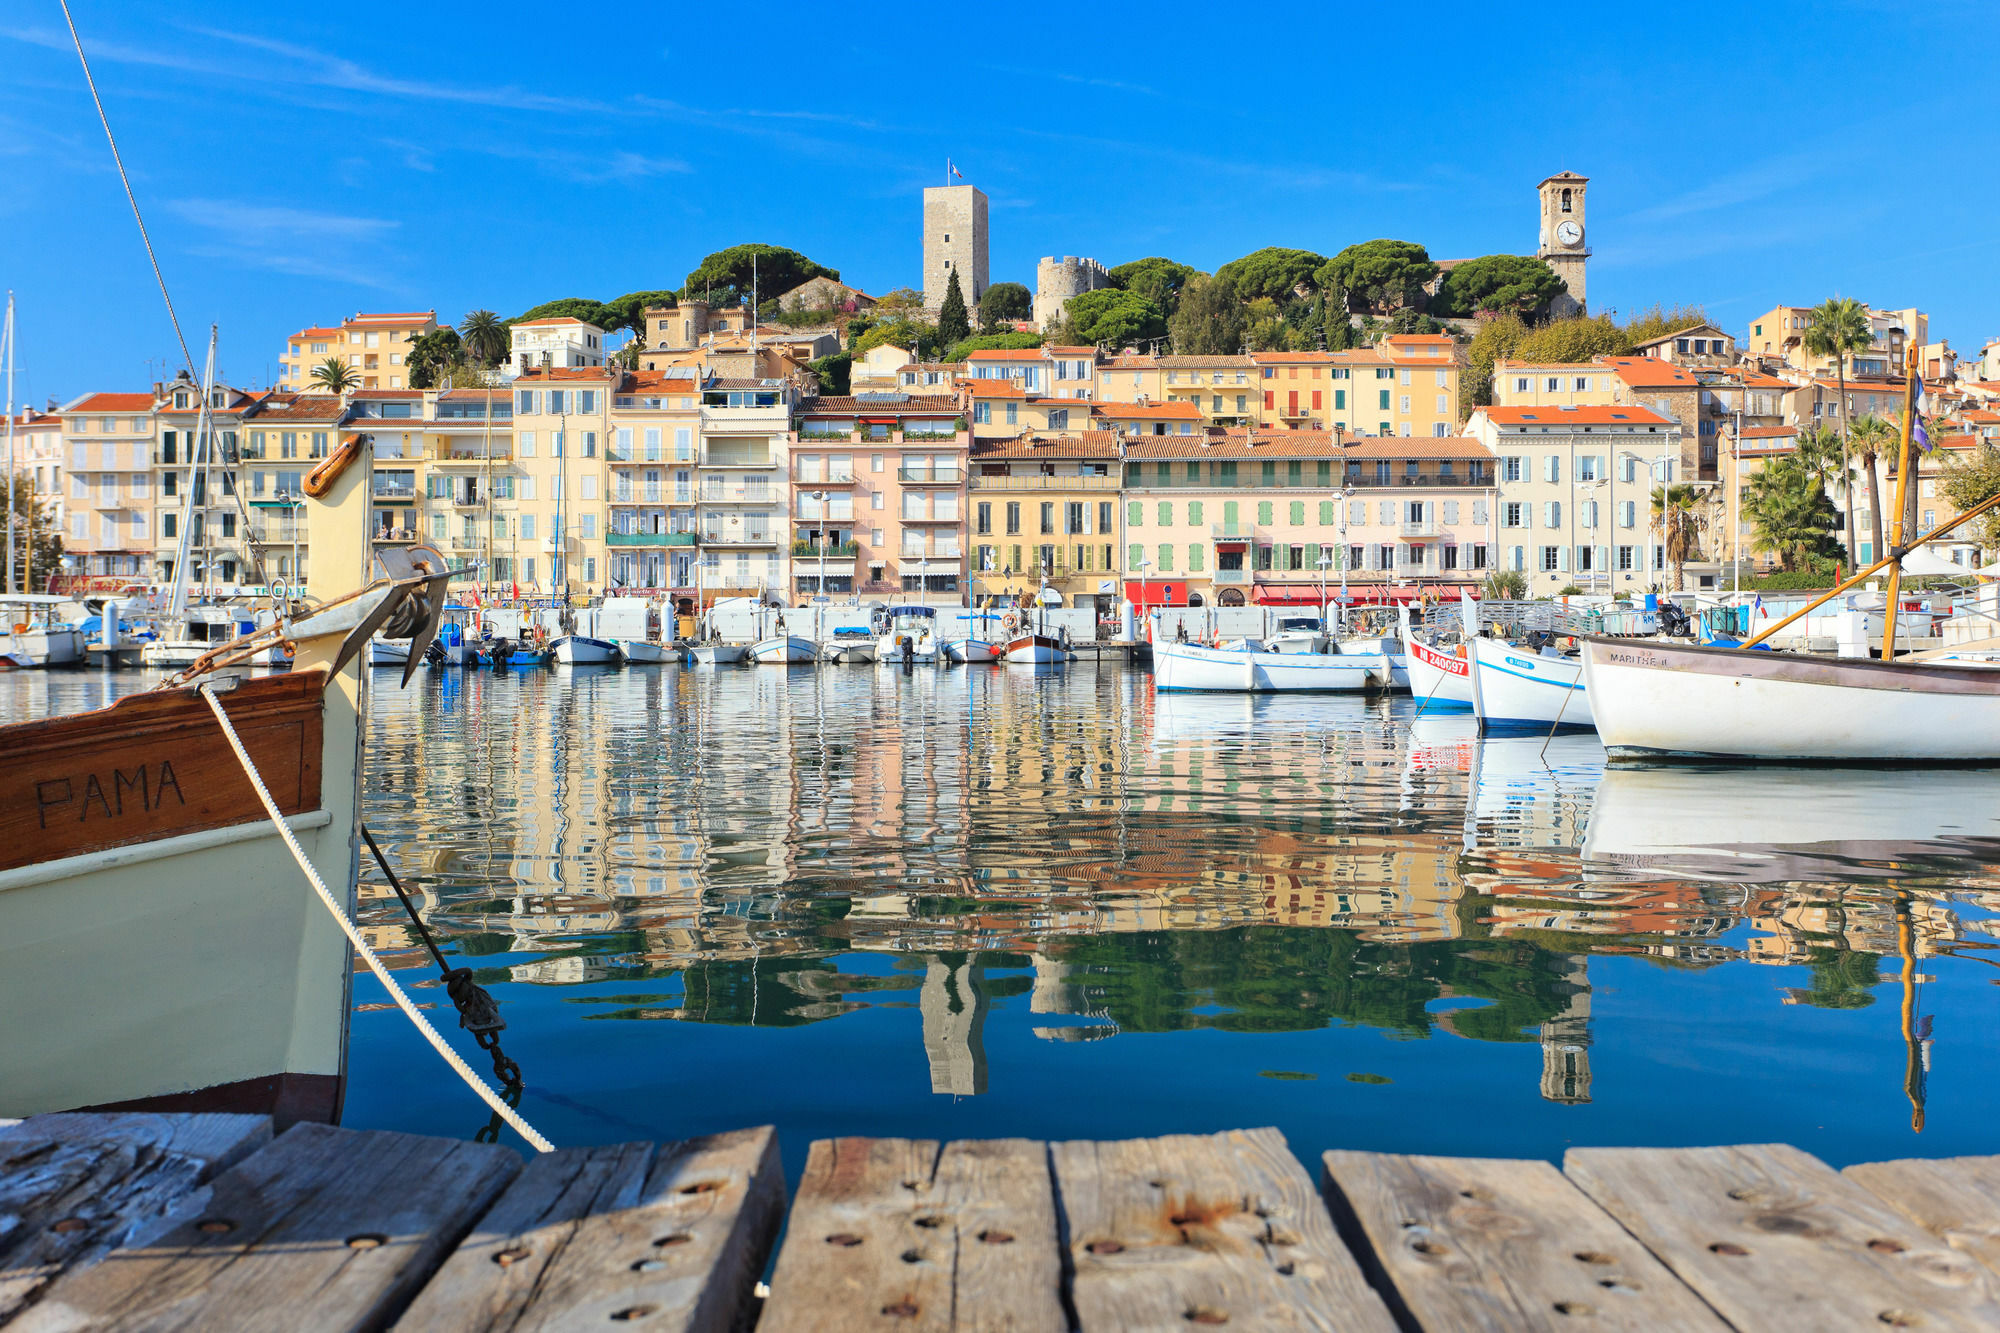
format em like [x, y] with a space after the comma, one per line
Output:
[1054, 904]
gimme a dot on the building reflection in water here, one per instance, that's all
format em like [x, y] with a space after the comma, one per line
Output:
[1262, 865]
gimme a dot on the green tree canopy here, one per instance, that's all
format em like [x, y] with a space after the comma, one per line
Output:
[1004, 302]
[1495, 339]
[1274, 272]
[571, 307]
[431, 357]
[34, 516]
[913, 335]
[1973, 478]
[1520, 283]
[1660, 320]
[1789, 513]
[1158, 280]
[1111, 317]
[990, 342]
[1209, 321]
[1380, 275]
[953, 322]
[1579, 339]
[833, 372]
[725, 278]
[485, 337]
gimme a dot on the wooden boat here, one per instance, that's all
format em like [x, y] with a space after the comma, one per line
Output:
[1664, 700]
[785, 650]
[974, 645]
[644, 652]
[1515, 687]
[717, 654]
[1186, 666]
[1439, 680]
[1385, 646]
[583, 650]
[1039, 649]
[159, 947]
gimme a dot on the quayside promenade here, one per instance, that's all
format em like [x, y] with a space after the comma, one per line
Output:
[112, 1221]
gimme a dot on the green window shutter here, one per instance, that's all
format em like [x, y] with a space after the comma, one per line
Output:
[1323, 472]
[1135, 514]
[1298, 512]
[1312, 555]
[1264, 512]
[1164, 471]
[1166, 559]
[1326, 513]
[1340, 400]
[1229, 512]
[1267, 473]
[1384, 397]
[1194, 559]
[1295, 473]
[1194, 512]
[1134, 555]
[1166, 514]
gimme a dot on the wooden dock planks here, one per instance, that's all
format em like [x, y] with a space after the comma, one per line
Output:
[617, 1235]
[194, 1222]
[1773, 1238]
[898, 1234]
[1205, 1230]
[1479, 1243]
[329, 1228]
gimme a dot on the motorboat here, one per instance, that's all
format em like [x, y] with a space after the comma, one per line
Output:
[910, 637]
[784, 650]
[851, 652]
[583, 650]
[1662, 700]
[200, 629]
[31, 635]
[1299, 634]
[1439, 680]
[644, 652]
[716, 654]
[637, 626]
[136, 823]
[385, 653]
[1518, 687]
[1250, 669]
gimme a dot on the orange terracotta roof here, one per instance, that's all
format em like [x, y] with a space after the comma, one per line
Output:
[1222, 360]
[656, 379]
[540, 373]
[1292, 358]
[315, 333]
[1009, 354]
[1134, 361]
[1071, 351]
[996, 389]
[1613, 414]
[1413, 339]
[927, 405]
[319, 407]
[553, 319]
[1102, 444]
[114, 402]
[1172, 411]
[1645, 372]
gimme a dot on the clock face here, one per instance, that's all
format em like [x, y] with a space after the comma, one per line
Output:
[1569, 233]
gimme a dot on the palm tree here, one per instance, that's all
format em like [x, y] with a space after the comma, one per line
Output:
[1789, 512]
[336, 376]
[1836, 327]
[1823, 454]
[484, 336]
[1868, 439]
[1679, 522]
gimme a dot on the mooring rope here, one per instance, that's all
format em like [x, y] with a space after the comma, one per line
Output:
[353, 933]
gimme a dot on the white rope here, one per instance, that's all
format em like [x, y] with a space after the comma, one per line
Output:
[353, 933]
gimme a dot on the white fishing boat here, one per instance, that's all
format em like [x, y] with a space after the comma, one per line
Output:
[386, 653]
[1388, 648]
[1656, 699]
[32, 636]
[583, 650]
[911, 636]
[644, 652]
[1516, 687]
[1038, 649]
[785, 650]
[1299, 634]
[717, 654]
[975, 645]
[200, 629]
[850, 653]
[1439, 680]
[1186, 666]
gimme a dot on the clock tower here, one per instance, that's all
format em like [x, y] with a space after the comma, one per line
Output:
[1564, 245]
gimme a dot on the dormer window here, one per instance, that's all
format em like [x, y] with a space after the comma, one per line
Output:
[180, 400]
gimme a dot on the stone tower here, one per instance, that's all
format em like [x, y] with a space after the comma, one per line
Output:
[1057, 278]
[1565, 245]
[954, 238]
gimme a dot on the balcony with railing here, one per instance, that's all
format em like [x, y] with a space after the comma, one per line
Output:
[832, 550]
[1239, 576]
[1420, 528]
[1039, 483]
[1232, 532]
[735, 534]
[930, 476]
[649, 539]
[394, 536]
[396, 492]
[748, 495]
[470, 452]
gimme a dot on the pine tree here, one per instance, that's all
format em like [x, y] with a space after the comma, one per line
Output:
[953, 322]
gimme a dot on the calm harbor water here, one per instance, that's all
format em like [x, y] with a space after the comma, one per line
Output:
[996, 901]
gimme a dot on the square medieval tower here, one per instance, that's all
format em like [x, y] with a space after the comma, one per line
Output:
[954, 238]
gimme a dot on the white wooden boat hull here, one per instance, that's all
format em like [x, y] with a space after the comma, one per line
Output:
[44, 647]
[851, 653]
[971, 650]
[1037, 649]
[1396, 673]
[1662, 700]
[381, 652]
[717, 654]
[644, 652]
[1180, 666]
[785, 650]
[1439, 681]
[1512, 687]
[582, 650]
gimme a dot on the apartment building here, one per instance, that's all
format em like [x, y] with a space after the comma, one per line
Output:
[283, 437]
[107, 520]
[655, 429]
[468, 477]
[196, 497]
[740, 481]
[1574, 501]
[572, 344]
[374, 345]
[562, 423]
[1406, 385]
[878, 496]
[1781, 333]
[1702, 393]
[1243, 519]
[1131, 377]
[1044, 507]
[1056, 372]
[1224, 389]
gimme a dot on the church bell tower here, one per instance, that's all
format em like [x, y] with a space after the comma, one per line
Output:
[1564, 243]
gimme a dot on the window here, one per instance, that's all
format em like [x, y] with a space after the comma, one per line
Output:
[1510, 469]
[1625, 560]
[1166, 514]
[1552, 468]
[1552, 513]
[1048, 516]
[1583, 384]
[1551, 555]
[1382, 402]
[1104, 520]
[1166, 554]
[983, 518]
[1013, 517]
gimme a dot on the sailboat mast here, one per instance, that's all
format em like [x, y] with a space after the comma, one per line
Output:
[12, 471]
[183, 551]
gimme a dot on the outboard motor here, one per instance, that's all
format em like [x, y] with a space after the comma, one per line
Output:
[435, 654]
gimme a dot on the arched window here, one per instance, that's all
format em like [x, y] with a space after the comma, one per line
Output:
[1565, 201]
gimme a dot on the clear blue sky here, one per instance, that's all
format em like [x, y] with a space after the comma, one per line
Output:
[297, 165]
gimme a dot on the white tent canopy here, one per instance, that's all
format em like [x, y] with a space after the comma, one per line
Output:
[1924, 562]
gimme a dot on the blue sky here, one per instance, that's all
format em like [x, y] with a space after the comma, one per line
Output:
[296, 164]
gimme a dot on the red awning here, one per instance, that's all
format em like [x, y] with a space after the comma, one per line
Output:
[1372, 595]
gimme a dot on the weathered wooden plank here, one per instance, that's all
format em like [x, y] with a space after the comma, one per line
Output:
[1479, 1243]
[1956, 1199]
[893, 1234]
[327, 1228]
[592, 1236]
[1205, 1230]
[75, 1185]
[1774, 1238]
